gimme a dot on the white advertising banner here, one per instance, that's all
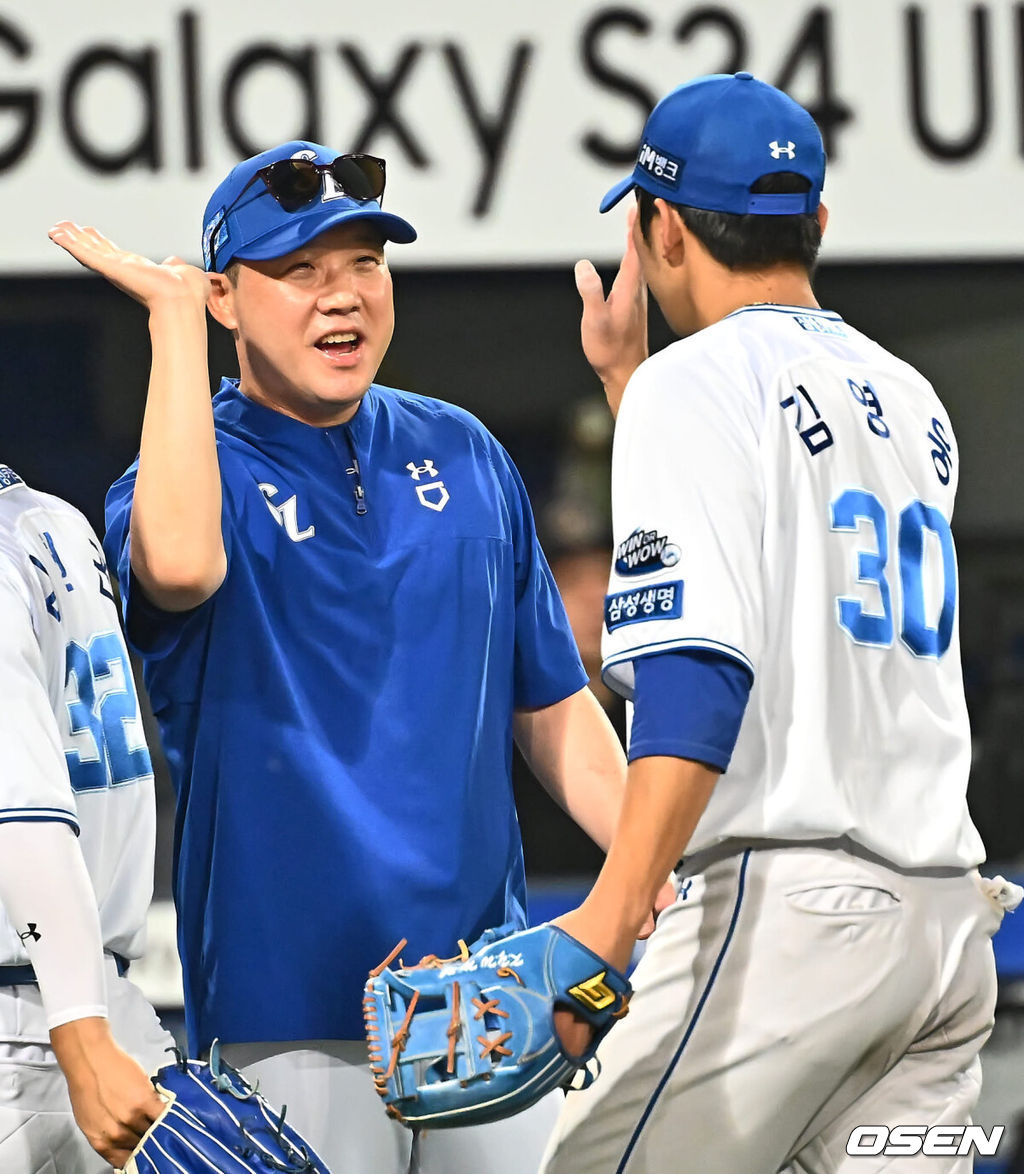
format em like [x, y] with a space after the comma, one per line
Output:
[502, 125]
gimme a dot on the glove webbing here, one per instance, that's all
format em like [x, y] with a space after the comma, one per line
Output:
[455, 1026]
[488, 1046]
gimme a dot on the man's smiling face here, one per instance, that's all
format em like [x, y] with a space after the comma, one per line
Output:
[312, 327]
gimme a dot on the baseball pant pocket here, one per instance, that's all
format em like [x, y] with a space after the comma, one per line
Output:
[837, 899]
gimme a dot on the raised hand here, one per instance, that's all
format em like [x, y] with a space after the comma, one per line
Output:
[144, 280]
[613, 330]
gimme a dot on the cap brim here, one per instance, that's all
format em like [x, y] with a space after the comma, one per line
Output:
[613, 195]
[300, 230]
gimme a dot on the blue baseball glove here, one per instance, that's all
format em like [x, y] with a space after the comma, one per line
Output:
[465, 1040]
[215, 1121]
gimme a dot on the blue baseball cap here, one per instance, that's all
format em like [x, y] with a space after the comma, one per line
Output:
[246, 223]
[708, 141]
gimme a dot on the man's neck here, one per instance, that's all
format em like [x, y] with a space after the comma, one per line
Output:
[781, 286]
[316, 413]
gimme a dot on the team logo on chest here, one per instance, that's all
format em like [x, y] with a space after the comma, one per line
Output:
[431, 490]
[645, 551]
[285, 514]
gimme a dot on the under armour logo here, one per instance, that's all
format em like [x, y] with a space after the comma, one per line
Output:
[427, 469]
[433, 495]
[789, 150]
[31, 932]
[285, 514]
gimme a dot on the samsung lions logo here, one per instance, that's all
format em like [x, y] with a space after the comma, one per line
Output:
[329, 189]
[286, 514]
[645, 551]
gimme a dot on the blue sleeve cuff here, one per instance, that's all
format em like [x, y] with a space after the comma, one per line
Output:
[688, 704]
[39, 815]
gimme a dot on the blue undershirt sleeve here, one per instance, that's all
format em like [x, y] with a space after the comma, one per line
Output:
[688, 704]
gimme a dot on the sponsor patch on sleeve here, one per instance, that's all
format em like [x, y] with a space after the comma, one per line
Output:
[644, 552]
[661, 602]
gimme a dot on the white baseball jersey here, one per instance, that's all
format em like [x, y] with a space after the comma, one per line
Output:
[782, 489]
[72, 746]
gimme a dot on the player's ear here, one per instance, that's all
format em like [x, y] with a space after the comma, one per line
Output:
[822, 217]
[221, 302]
[668, 233]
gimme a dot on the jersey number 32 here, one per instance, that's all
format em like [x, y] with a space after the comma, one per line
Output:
[104, 711]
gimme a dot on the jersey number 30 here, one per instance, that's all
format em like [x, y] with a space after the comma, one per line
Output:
[104, 711]
[856, 506]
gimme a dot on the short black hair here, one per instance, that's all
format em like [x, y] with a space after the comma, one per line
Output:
[750, 241]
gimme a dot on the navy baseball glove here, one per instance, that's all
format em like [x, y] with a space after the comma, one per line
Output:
[216, 1122]
[465, 1040]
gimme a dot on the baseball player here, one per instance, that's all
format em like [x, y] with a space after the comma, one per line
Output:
[782, 612]
[344, 615]
[77, 826]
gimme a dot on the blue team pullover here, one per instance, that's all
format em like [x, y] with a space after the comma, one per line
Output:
[337, 717]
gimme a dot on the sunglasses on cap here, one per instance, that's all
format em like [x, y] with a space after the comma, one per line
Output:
[294, 183]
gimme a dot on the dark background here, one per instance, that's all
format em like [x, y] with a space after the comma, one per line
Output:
[505, 344]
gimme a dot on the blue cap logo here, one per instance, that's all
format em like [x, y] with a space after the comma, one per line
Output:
[708, 142]
[244, 221]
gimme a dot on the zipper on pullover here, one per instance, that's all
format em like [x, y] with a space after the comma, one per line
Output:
[351, 470]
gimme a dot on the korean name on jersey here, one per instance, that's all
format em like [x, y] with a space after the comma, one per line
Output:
[782, 493]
